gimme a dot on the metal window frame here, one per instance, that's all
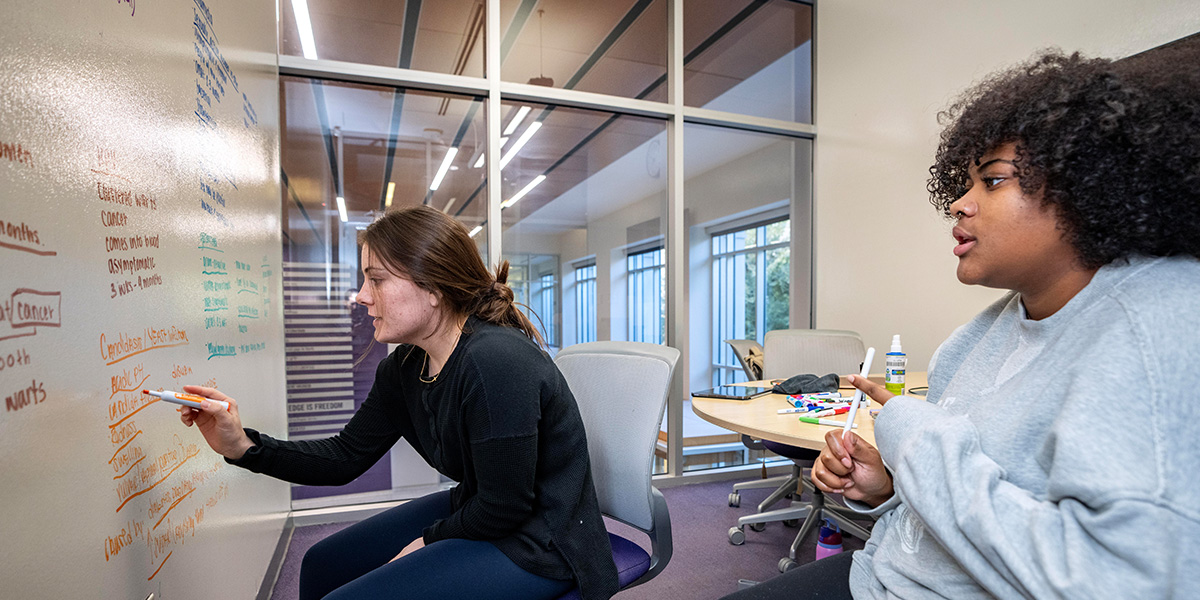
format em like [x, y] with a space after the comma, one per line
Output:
[673, 112]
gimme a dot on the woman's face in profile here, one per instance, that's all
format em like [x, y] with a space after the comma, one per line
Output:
[403, 312]
[1005, 238]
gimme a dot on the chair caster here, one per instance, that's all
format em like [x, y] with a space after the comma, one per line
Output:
[758, 526]
[735, 499]
[786, 564]
[791, 522]
[737, 537]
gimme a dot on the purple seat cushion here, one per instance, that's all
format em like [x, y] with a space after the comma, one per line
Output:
[632, 562]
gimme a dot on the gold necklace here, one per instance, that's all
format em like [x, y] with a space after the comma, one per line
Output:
[420, 375]
[425, 363]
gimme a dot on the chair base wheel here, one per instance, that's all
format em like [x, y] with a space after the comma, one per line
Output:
[758, 526]
[791, 522]
[737, 537]
[735, 499]
[786, 564]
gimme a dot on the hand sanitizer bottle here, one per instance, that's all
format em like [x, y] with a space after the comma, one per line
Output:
[893, 374]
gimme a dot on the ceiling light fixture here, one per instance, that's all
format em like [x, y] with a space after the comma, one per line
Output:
[341, 202]
[441, 172]
[477, 229]
[524, 190]
[304, 28]
[541, 79]
[478, 163]
[516, 122]
[521, 141]
[387, 201]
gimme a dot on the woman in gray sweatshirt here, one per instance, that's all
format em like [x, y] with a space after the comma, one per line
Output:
[1056, 454]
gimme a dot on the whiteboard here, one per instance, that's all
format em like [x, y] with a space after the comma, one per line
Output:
[140, 243]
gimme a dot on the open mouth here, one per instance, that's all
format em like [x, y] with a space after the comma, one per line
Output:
[965, 241]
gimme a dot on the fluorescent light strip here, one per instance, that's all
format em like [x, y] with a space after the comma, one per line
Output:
[441, 172]
[387, 202]
[482, 155]
[521, 141]
[341, 202]
[516, 122]
[524, 190]
[304, 28]
[477, 229]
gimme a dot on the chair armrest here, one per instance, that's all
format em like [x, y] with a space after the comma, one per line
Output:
[660, 539]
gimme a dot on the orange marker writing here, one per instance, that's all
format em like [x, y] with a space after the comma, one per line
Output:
[185, 399]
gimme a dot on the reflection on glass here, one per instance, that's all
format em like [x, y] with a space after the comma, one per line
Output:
[348, 153]
[583, 194]
[446, 36]
[749, 57]
[742, 192]
[617, 47]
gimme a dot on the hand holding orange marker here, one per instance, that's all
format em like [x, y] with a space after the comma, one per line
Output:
[185, 399]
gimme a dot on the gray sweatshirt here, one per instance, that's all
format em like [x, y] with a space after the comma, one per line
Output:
[1053, 458]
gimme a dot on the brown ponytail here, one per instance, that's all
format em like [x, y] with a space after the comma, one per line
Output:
[436, 252]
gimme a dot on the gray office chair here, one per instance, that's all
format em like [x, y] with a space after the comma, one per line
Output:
[750, 355]
[621, 389]
[789, 352]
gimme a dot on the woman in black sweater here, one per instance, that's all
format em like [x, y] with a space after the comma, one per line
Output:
[473, 392]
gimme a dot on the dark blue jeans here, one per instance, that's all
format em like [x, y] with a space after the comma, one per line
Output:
[353, 563]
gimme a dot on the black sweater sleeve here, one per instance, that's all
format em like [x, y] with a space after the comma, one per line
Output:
[337, 460]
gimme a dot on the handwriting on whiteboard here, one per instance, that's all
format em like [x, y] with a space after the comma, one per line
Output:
[123, 344]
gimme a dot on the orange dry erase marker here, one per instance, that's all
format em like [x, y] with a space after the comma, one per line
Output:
[185, 399]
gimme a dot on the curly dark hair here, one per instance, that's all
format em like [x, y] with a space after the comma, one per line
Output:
[1113, 146]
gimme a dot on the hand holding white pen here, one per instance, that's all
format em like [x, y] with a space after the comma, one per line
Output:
[221, 427]
[866, 368]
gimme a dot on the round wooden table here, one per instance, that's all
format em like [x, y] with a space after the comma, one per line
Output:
[759, 417]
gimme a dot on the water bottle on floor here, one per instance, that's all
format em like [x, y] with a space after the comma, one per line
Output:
[829, 540]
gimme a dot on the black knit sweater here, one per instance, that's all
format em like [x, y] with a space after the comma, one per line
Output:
[502, 422]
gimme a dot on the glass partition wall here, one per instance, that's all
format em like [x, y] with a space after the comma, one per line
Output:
[643, 165]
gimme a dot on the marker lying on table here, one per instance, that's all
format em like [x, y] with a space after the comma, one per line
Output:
[798, 409]
[829, 422]
[186, 399]
[829, 412]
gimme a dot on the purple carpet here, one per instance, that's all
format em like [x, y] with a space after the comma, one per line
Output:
[704, 566]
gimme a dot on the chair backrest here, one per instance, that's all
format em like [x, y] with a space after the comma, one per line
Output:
[789, 352]
[750, 354]
[621, 389]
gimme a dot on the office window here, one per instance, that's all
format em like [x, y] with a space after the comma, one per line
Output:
[752, 58]
[350, 151]
[647, 296]
[542, 301]
[585, 303]
[534, 282]
[750, 290]
[443, 37]
[617, 48]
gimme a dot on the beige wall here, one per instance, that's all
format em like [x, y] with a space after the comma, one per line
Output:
[883, 256]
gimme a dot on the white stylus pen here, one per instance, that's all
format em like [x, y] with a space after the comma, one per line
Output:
[858, 394]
